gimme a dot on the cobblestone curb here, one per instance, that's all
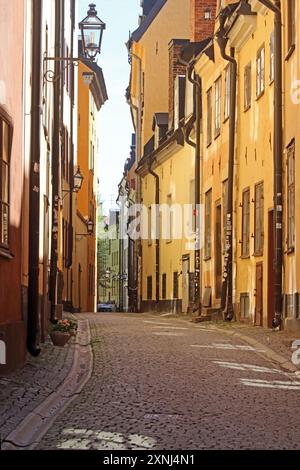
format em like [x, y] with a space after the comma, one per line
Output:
[31, 430]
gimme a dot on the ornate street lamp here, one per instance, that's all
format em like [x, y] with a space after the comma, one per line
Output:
[90, 227]
[91, 32]
[77, 181]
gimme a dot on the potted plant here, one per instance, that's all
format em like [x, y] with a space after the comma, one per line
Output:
[62, 331]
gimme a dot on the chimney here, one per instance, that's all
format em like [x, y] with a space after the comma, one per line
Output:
[175, 68]
[203, 15]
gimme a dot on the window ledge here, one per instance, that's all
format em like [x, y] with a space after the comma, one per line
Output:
[5, 253]
[245, 256]
[207, 258]
[290, 251]
[258, 255]
[260, 95]
[246, 108]
[290, 52]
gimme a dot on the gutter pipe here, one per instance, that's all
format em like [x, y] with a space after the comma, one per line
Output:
[196, 118]
[227, 287]
[278, 150]
[34, 194]
[157, 234]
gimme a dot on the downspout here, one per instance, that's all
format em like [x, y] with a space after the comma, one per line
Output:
[157, 234]
[55, 166]
[138, 244]
[227, 287]
[71, 172]
[278, 150]
[196, 118]
[34, 195]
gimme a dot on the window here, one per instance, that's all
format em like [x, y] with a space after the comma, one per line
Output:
[247, 86]
[291, 23]
[208, 202]
[225, 208]
[193, 204]
[218, 87]
[272, 56]
[164, 286]
[170, 221]
[291, 196]
[175, 285]
[65, 154]
[259, 220]
[5, 151]
[209, 116]
[149, 225]
[227, 93]
[149, 288]
[244, 305]
[260, 72]
[246, 224]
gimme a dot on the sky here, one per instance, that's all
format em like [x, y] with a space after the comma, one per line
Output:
[115, 127]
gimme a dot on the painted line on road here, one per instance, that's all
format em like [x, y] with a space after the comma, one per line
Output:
[279, 384]
[229, 347]
[247, 367]
[170, 327]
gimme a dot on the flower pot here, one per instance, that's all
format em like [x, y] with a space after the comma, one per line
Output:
[59, 338]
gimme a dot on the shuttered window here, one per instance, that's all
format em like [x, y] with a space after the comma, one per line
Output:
[259, 219]
[246, 223]
[5, 152]
[208, 215]
[260, 72]
[247, 86]
[218, 92]
[227, 93]
[209, 116]
[291, 195]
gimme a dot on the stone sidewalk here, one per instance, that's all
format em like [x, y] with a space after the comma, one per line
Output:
[277, 344]
[23, 390]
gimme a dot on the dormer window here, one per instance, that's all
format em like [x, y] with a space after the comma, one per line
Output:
[179, 100]
[160, 128]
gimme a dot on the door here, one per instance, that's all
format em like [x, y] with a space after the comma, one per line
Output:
[45, 314]
[259, 295]
[218, 250]
[185, 283]
[271, 271]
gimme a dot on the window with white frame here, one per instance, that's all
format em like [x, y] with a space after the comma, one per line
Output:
[218, 93]
[260, 72]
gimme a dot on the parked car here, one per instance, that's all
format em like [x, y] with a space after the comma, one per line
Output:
[106, 307]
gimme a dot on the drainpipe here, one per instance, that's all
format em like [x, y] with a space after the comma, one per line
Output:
[278, 150]
[138, 244]
[228, 267]
[55, 166]
[157, 234]
[196, 118]
[34, 195]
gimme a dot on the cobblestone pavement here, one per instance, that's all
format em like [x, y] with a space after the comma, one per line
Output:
[24, 390]
[159, 383]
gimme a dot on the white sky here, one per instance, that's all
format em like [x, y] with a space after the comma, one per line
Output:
[115, 128]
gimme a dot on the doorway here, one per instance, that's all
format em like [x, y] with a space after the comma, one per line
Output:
[218, 250]
[185, 283]
[259, 295]
[271, 270]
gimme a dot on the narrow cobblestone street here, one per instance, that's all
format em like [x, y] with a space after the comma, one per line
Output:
[161, 383]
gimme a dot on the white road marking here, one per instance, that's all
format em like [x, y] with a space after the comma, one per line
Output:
[279, 384]
[167, 334]
[228, 346]
[171, 327]
[246, 367]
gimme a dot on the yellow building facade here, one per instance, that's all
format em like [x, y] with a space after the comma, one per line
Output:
[91, 96]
